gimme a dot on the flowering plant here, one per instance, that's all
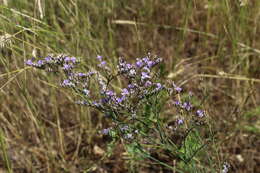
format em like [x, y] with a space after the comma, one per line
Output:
[138, 108]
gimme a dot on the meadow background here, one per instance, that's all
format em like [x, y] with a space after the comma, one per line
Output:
[211, 48]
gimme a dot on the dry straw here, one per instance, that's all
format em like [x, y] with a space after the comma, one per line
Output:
[5, 40]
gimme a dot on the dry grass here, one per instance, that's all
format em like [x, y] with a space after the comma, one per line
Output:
[213, 47]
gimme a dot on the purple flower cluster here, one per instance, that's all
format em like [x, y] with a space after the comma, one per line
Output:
[102, 63]
[139, 84]
[76, 80]
[126, 68]
[186, 105]
[51, 61]
[142, 67]
[137, 75]
[67, 83]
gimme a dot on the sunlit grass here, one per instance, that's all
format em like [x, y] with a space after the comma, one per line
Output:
[210, 47]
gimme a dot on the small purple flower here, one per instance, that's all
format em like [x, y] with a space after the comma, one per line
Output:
[95, 103]
[67, 67]
[128, 66]
[146, 69]
[159, 86]
[110, 93]
[86, 92]
[48, 59]
[131, 86]
[176, 88]
[125, 92]
[67, 59]
[99, 58]
[67, 83]
[150, 64]
[40, 63]
[132, 72]
[200, 113]
[139, 63]
[29, 62]
[180, 121]
[81, 74]
[145, 76]
[70, 59]
[102, 63]
[177, 103]
[73, 60]
[148, 83]
[120, 99]
[91, 73]
[145, 59]
[106, 131]
[187, 106]
[226, 167]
